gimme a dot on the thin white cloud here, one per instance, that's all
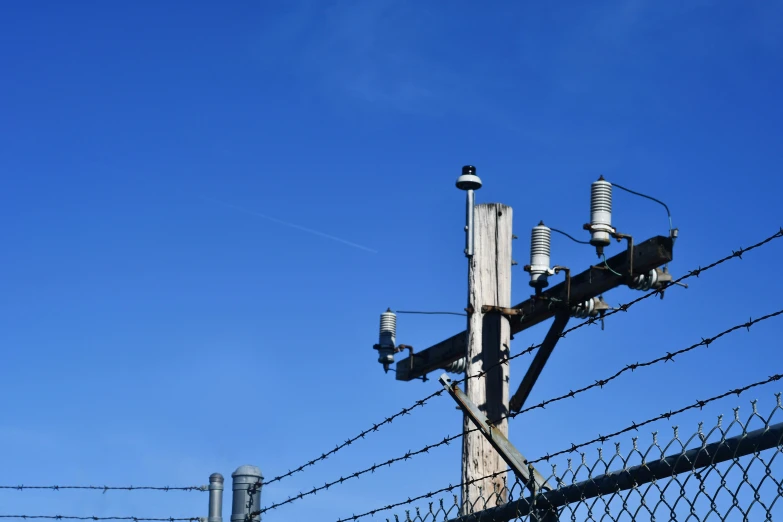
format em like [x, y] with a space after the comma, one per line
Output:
[291, 225]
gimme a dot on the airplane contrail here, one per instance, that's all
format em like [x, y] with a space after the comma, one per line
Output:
[291, 225]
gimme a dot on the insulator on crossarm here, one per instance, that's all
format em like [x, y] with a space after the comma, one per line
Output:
[645, 282]
[601, 213]
[584, 310]
[593, 307]
[387, 338]
[540, 256]
[457, 366]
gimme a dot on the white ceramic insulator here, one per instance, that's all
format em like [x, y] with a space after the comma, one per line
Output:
[646, 281]
[585, 309]
[601, 212]
[457, 366]
[388, 332]
[387, 338]
[540, 255]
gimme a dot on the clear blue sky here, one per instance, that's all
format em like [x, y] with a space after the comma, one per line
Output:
[161, 319]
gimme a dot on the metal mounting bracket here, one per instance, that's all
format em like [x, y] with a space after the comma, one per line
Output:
[502, 445]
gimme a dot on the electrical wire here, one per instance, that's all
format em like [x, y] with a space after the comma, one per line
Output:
[574, 447]
[569, 236]
[430, 313]
[609, 267]
[668, 212]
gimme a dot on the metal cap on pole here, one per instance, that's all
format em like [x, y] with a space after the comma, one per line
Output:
[247, 494]
[469, 182]
[215, 498]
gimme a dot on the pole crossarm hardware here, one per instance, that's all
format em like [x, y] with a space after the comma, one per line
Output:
[539, 361]
[502, 445]
[596, 280]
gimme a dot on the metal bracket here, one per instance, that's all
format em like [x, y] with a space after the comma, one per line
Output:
[502, 445]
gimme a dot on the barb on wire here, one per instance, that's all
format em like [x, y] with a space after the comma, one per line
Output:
[669, 356]
[67, 517]
[574, 447]
[404, 411]
[112, 488]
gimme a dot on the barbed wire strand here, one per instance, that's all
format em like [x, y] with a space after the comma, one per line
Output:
[574, 447]
[420, 403]
[670, 356]
[67, 517]
[112, 488]
[705, 342]
[373, 428]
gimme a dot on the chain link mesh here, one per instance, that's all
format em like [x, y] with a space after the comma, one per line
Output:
[703, 483]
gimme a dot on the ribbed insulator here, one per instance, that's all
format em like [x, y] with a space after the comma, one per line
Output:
[601, 212]
[457, 366]
[540, 241]
[584, 310]
[601, 199]
[540, 255]
[645, 282]
[388, 330]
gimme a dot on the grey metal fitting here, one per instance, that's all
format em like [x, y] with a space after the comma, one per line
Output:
[215, 498]
[247, 494]
[469, 182]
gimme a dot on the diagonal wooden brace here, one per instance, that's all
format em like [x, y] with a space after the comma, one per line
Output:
[502, 445]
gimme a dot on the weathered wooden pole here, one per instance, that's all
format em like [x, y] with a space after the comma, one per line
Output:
[488, 338]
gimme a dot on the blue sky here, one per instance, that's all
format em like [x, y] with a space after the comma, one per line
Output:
[205, 209]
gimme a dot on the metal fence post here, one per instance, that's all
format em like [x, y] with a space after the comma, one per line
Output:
[247, 494]
[215, 498]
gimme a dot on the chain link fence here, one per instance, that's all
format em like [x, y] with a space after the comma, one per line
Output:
[731, 471]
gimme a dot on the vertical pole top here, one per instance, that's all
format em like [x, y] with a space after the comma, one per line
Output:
[216, 481]
[246, 475]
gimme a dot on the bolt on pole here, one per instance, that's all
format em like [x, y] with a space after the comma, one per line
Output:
[247, 494]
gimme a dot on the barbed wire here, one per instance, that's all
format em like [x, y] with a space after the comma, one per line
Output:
[111, 488]
[67, 517]
[420, 403]
[373, 428]
[574, 447]
[635, 426]
[670, 356]
[662, 359]
[622, 308]
[371, 469]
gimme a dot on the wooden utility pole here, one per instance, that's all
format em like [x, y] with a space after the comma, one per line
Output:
[488, 338]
